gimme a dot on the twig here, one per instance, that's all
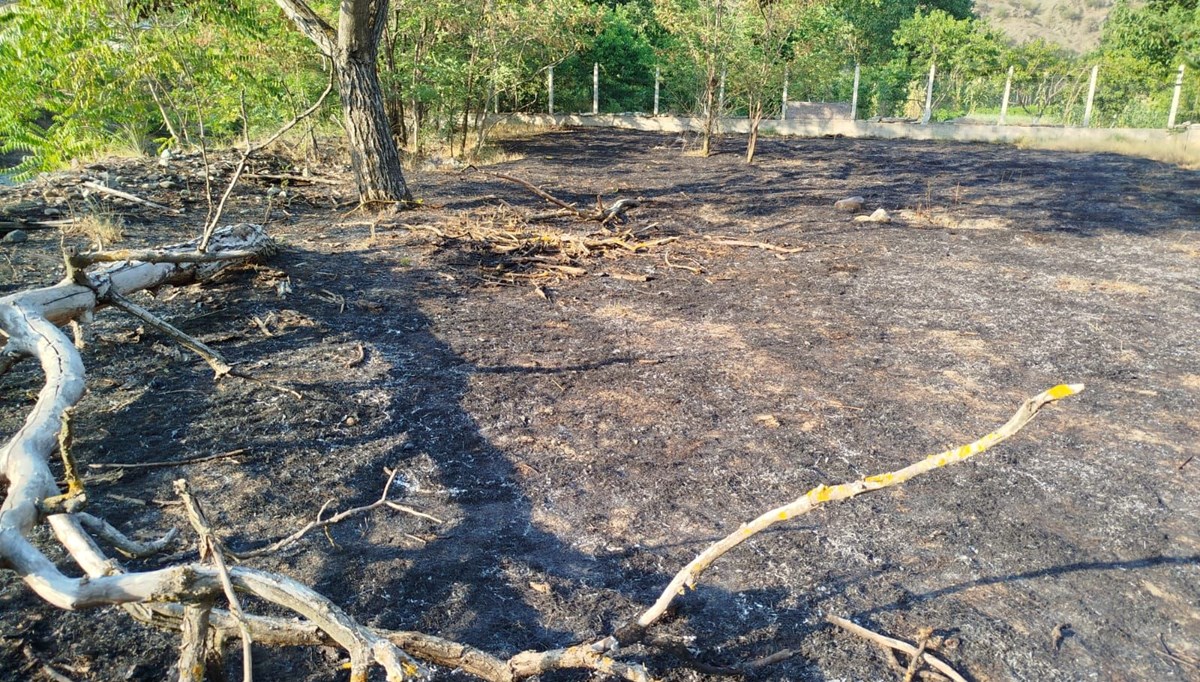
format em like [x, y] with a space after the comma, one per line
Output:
[601, 214]
[283, 177]
[822, 494]
[129, 197]
[729, 241]
[212, 547]
[914, 663]
[771, 659]
[48, 669]
[123, 543]
[214, 359]
[667, 262]
[75, 498]
[250, 150]
[1174, 656]
[529, 186]
[164, 464]
[890, 643]
[336, 518]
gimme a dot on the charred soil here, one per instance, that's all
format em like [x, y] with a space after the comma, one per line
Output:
[582, 432]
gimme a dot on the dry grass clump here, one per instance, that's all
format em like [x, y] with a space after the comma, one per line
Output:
[1175, 151]
[103, 228]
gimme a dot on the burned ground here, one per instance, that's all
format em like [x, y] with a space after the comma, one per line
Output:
[583, 437]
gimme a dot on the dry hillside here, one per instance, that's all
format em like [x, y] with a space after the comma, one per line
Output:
[1074, 24]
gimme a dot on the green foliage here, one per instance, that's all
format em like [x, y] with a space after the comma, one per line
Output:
[966, 52]
[82, 76]
[1140, 49]
[627, 56]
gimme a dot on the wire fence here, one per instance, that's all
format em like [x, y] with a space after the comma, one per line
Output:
[1085, 97]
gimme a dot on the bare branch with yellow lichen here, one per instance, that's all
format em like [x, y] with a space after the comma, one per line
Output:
[822, 494]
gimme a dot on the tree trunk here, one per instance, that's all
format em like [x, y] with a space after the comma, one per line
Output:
[373, 152]
[354, 48]
[756, 115]
[710, 113]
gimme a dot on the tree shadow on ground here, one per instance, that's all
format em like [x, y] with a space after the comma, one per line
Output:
[494, 575]
[1037, 574]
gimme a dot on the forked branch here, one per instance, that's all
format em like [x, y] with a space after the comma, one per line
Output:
[690, 574]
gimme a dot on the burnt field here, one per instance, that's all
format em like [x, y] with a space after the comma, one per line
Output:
[585, 423]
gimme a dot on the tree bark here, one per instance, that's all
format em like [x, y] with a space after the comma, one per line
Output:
[373, 152]
[710, 113]
[756, 116]
[354, 48]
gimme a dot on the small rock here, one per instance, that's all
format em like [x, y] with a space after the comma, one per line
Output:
[51, 211]
[15, 237]
[879, 216]
[166, 184]
[850, 205]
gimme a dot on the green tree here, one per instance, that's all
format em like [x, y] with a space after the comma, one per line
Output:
[966, 52]
[81, 76]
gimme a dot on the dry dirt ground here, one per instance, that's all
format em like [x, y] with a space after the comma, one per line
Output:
[583, 437]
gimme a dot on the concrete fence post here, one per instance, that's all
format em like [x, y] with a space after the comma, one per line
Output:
[595, 87]
[854, 96]
[1087, 110]
[927, 116]
[1175, 98]
[1007, 91]
[550, 89]
[657, 81]
[783, 104]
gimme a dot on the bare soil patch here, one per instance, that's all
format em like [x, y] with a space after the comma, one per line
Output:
[583, 436]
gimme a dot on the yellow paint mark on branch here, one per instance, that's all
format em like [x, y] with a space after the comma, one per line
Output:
[822, 494]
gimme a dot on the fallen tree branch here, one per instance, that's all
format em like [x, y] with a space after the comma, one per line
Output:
[123, 543]
[600, 214]
[687, 577]
[915, 652]
[730, 241]
[129, 197]
[284, 177]
[82, 260]
[211, 357]
[211, 547]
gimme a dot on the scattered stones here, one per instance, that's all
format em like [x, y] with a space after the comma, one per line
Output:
[879, 216]
[15, 237]
[850, 204]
